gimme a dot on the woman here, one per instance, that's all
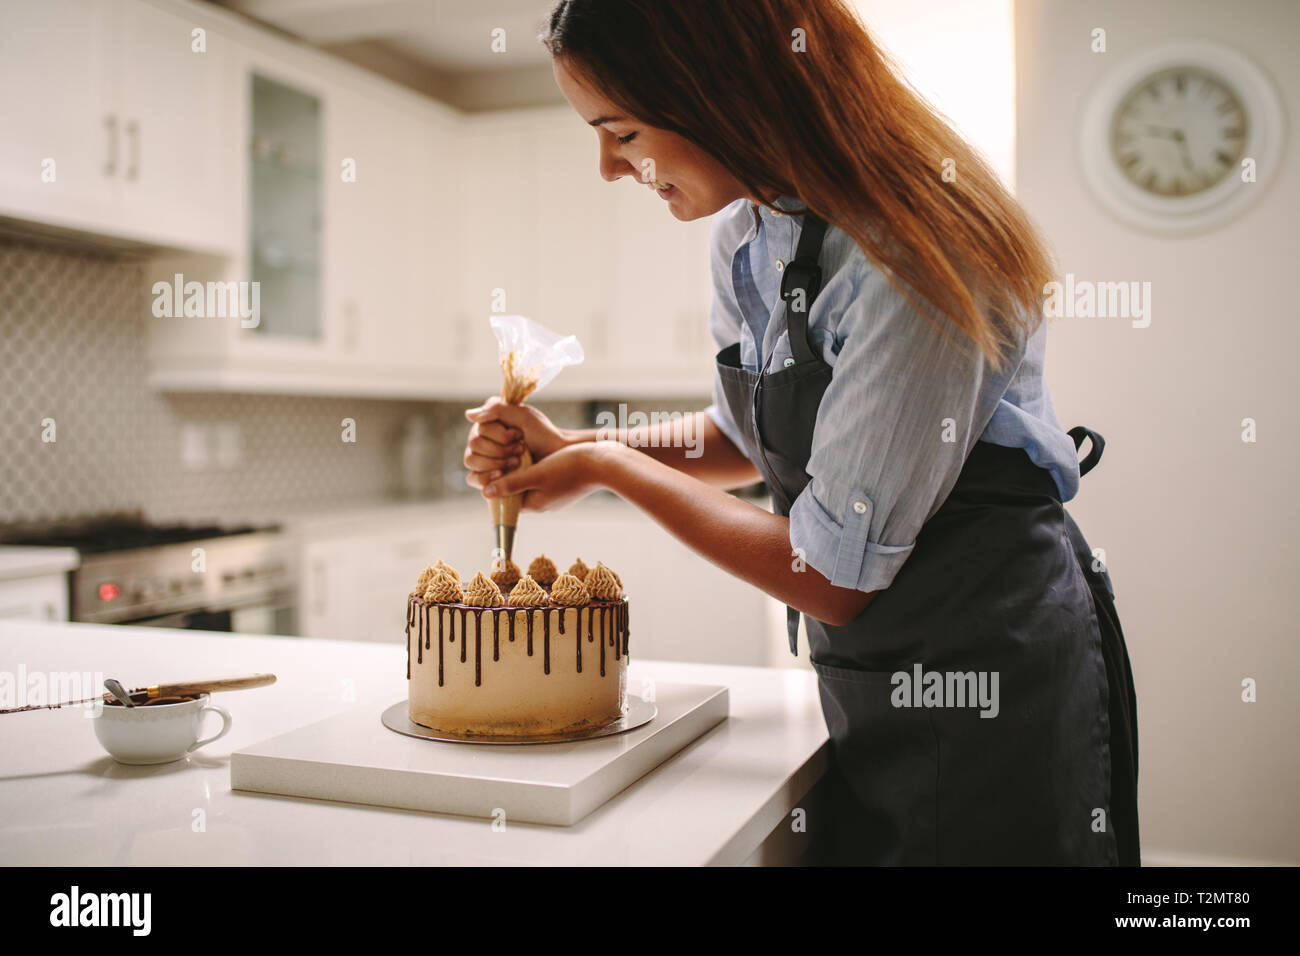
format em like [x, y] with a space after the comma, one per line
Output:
[882, 371]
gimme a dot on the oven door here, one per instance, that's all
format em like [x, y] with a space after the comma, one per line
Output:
[275, 615]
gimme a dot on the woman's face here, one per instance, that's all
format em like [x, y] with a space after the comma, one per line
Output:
[693, 183]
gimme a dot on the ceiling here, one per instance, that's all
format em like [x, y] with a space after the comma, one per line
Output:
[440, 47]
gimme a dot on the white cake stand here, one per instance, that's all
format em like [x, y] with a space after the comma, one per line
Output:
[639, 712]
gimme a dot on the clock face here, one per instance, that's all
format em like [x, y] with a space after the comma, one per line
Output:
[1179, 132]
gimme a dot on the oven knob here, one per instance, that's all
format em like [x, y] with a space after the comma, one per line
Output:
[144, 592]
[227, 578]
[175, 585]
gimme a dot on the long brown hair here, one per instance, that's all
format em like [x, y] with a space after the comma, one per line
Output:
[834, 125]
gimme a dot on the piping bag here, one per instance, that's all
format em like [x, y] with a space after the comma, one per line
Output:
[531, 355]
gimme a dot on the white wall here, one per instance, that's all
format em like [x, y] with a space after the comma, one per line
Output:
[935, 43]
[1199, 528]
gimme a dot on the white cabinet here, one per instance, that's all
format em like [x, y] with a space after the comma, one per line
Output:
[449, 218]
[43, 598]
[175, 105]
[355, 587]
[113, 124]
[606, 262]
[369, 241]
[60, 148]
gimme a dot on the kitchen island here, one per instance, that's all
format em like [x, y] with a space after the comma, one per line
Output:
[729, 798]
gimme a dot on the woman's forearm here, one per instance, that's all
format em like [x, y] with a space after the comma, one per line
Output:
[693, 445]
[736, 535]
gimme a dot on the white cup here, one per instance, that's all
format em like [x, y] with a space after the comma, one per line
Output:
[157, 734]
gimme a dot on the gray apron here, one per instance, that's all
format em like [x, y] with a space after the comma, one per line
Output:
[1000, 581]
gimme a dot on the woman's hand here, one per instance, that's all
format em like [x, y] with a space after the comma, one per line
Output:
[498, 437]
[560, 478]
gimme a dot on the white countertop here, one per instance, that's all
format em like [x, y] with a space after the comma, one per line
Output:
[23, 562]
[64, 801]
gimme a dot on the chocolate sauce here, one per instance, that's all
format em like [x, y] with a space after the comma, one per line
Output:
[478, 651]
[417, 613]
[419, 644]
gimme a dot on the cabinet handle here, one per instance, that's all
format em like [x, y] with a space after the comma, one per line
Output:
[133, 151]
[110, 166]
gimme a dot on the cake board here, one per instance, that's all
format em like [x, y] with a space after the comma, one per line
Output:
[353, 758]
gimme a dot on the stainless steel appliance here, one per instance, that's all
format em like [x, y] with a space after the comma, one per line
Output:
[205, 578]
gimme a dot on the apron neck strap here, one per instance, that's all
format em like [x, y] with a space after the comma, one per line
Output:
[800, 285]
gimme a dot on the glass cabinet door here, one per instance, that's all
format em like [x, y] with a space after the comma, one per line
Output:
[285, 215]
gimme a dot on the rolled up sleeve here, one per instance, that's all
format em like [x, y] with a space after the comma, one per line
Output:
[903, 409]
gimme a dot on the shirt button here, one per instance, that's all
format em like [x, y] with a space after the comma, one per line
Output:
[788, 362]
[777, 212]
[780, 266]
[860, 507]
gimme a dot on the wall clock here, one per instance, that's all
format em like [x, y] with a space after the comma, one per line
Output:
[1165, 135]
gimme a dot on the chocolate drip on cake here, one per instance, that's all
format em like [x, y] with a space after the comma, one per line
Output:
[417, 621]
[419, 644]
[478, 651]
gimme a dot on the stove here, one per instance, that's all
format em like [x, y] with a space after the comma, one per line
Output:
[207, 577]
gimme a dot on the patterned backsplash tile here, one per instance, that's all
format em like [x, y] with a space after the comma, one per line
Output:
[73, 369]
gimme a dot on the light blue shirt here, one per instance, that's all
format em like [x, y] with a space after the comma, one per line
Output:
[904, 406]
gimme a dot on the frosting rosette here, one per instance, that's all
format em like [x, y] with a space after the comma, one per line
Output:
[441, 565]
[543, 570]
[443, 589]
[426, 576]
[527, 593]
[604, 584]
[579, 570]
[482, 591]
[505, 573]
[569, 591]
